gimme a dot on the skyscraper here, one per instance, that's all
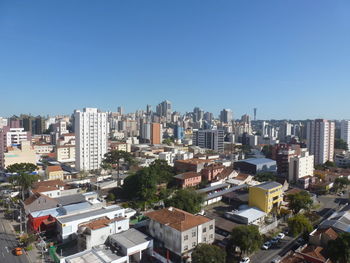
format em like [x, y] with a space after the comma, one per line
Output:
[320, 140]
[226, 115]
[156, 133]
[345, 131]
[164, 110]
[91, 131]
[255, 110]
[209, 139]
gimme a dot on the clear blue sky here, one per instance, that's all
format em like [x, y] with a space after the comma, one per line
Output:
[290, 58]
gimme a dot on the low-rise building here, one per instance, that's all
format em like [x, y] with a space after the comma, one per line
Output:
[23, 153]
[266, 196]
[247, 216]
[179, 232]
[54, 172]
[256, 165]
[42, 149]
[188, 179]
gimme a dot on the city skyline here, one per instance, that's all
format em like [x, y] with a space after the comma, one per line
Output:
[288, 60]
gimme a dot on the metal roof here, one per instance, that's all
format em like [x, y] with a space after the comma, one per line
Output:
[220, 193]
[212, 188]
[97, 212]
[257, 161]
[268, 185]
[251, 214]
[130, 238]
[70, 199]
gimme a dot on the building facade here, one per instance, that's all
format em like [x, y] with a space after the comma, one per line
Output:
[91, 132]
[209, 139]
[266, 196]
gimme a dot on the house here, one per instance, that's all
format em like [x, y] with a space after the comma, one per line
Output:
[53, 188]
[256, 165]
[54, 172]
[192, 165]
[68, 225]
[177, 232]
[321, 237]
[188, 179]
[247, 216]
[95, 232]
[266, 196]
[211, 171]
[132, 243]
[38, 202]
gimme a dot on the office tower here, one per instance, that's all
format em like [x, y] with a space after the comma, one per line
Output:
[156, 133]
[226, 115]
[255, 111]
[320, 140]
[209, 139]
[164, 110]
[198, 114]
[208, 116]
[145, 131]
[148, 109]
[179, 132]
[120, 110]
[345, 131]
[91, 131]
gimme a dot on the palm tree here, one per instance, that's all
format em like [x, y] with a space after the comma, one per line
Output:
[23, 175]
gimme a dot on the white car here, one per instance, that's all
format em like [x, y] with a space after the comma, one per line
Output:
[281, 235]
[266, 245]
[245, 260]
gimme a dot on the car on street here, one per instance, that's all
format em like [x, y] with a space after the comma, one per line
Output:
[274, 240]
[245, 260]
[281, 235]
[266, 245]
[18, 251]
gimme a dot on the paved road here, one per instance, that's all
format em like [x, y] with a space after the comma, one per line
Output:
[7, 243]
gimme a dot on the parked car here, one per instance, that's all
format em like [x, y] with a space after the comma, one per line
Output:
[276, 259]
[281, 235]
[274, 240]
[266, 245]
[245, 260]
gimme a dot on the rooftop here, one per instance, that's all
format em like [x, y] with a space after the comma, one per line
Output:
[91, 213]
[130, 238]
[258, 161]
[268, 185]
[100, 254]
[187, 175]
[71, 199]
[101, 222]
[177, 219]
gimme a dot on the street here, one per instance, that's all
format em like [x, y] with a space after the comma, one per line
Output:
[8, 242]
[329, 204]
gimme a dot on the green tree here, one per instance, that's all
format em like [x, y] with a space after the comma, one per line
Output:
[298, 201]
[299, 224]
[247, 238]
[111, 197]
[267, 151]
[168, 141]
[204, 253]
[265, 176]
[339, 249]
[340, 183]
[162, 171]
[340, 144]
[186, 199]
[23, 175]
[113, 160]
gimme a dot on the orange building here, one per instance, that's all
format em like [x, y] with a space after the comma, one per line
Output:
[156, 133]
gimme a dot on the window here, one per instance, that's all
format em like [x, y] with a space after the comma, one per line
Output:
[193, 234]
[204, 230]
[193, 244]
[211, 236]
[211, 227]
[205, 239]
[185, 237]
[186, 248]
[119, 227]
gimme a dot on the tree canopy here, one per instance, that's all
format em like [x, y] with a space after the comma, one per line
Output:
[341, 144]
[113, 159]
[267, 151]
[339, 249]
[340, 183]
[24, 176]
[205, 253]
[265, 176]
[299, 224]
[186, 199]
[247, 238]
[298, 201]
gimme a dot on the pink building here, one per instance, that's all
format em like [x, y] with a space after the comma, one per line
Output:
[189, 179]
[211, 171]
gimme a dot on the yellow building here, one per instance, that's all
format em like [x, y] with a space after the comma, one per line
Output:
[23, 153]
[266, 196]
[54, 172]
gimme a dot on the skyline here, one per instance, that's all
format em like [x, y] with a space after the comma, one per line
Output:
[290, 60]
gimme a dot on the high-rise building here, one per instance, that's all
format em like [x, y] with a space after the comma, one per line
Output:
[345, 131]
[198, 114]
[148, 109]
[320, 140]
[226, 116]
[255, 111]
[156, 133]
[120, 110]
[145, 131]
[91, 131]
[164, 110]
[179, 132]
[301, 165]
[209, 139]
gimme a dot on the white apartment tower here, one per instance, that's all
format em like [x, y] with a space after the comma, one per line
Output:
[320, 140]
[91, 132]
[345, 131]
[301, 165]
